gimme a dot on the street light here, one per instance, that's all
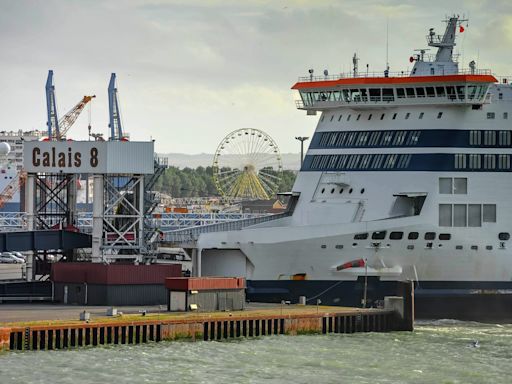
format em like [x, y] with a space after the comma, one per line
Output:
[302, 139]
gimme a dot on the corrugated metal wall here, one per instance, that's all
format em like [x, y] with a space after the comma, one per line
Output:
[100, 294]
[113, 274]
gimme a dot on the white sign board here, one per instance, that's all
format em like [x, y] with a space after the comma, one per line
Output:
[100, 157]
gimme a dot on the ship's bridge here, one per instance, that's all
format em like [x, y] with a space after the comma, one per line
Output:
[395, 89]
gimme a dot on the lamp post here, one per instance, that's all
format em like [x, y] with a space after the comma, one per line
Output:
[302, 139]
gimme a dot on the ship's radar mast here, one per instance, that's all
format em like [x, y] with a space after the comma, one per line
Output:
[443, 64]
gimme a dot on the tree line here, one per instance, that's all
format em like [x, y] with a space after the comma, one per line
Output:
[188, 182]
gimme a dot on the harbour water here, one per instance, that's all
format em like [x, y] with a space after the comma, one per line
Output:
[436, 352]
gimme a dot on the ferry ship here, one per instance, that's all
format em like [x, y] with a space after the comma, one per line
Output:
[407, 178]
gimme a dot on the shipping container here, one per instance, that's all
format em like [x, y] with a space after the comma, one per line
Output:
[204, 283]
[113, 274]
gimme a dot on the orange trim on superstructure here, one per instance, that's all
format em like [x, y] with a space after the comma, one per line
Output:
[397, 80]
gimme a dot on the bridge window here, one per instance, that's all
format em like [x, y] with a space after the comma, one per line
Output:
[413, 235]
[348, 117]
[440, 92]
[370, 116]
[387, 94]
[360, 236]
[382, 116]
[472, 91]
[420, 91]
[339, 118]
[375, 94]
[450, 92]
[439, 115]
[421, 115]
[461, 92]
[430, 92]
[394, 116]
[400, 93]
[410, 92]
[445, 236]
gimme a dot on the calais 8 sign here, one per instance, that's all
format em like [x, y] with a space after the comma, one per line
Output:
[109, 157]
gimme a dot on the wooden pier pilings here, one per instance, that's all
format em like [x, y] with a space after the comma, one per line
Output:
[199, 327]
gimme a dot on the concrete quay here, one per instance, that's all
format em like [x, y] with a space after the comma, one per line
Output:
[39, 331]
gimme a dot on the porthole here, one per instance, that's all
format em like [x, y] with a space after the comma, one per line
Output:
[410, 246]
[430, 235]
[354, 244]
[474, 247]
[379, 235]
[323, 190]
[350, 190]
[332, 190]
[459, 247]
[396, 235]
[362, 191]
[504, 236]
[323, 246]
[341, 191]
[488, 247]
[339, 246]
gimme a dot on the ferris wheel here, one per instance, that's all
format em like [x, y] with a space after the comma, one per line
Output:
[247, 164]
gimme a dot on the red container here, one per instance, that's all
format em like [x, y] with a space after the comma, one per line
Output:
[113, 274]
[204, 283]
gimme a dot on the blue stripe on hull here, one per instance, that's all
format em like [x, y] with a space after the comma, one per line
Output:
[433, 300]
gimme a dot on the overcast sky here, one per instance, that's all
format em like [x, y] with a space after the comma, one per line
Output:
[189, 72]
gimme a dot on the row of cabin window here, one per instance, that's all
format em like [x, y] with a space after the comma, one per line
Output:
[366, 138]
[399, 235]
[466, 215]
[357, 95]
[381, 116]
[475, 137]
[477, 161]
[361, 161]
[408, 138]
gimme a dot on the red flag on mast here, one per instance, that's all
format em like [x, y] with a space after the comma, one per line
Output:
[461, 29]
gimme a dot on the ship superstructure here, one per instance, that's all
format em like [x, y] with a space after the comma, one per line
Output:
[406, 178]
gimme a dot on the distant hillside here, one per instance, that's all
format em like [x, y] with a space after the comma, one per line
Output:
[181, 160]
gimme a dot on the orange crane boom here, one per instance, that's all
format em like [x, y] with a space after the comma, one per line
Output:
[69, 118]
[14, 185]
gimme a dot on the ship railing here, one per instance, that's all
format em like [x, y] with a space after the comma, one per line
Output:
[190, 235]
[364, 74]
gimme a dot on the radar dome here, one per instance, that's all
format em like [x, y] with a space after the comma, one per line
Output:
[5, 148]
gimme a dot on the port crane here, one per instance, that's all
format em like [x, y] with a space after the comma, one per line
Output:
[57, 128]
[116, 129]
